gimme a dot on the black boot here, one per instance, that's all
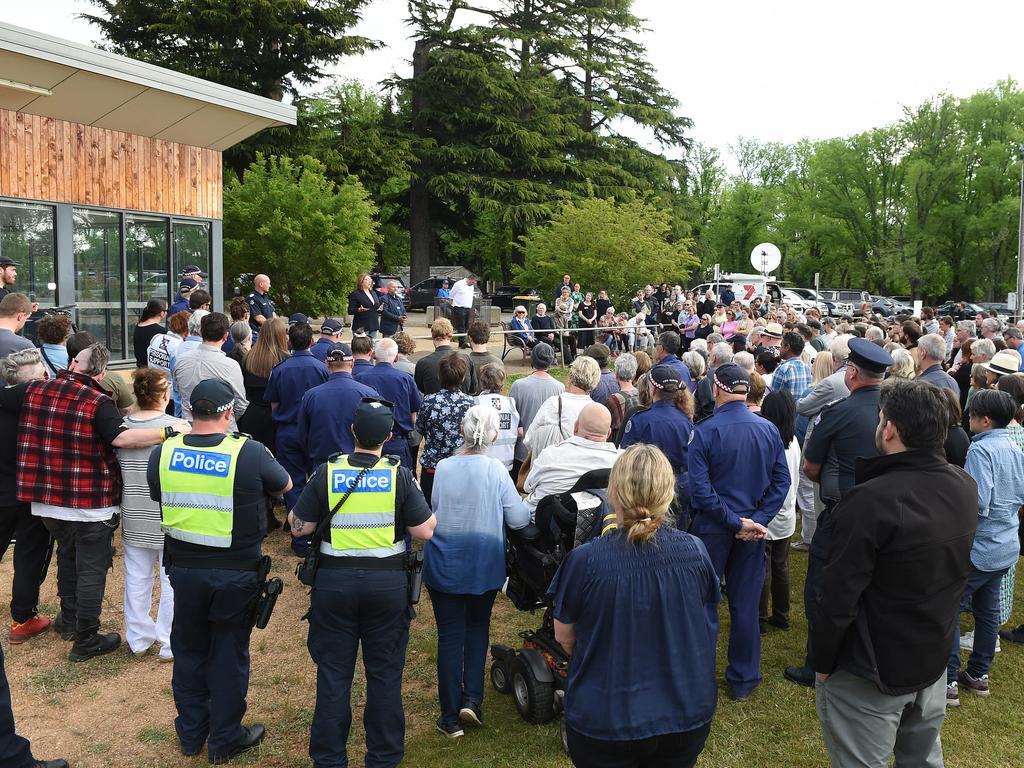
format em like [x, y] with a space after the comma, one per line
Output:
[88, 646]
[254, 734]
[64, 626]
[50, 764]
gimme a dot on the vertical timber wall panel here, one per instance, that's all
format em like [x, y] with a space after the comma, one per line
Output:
[63, 162]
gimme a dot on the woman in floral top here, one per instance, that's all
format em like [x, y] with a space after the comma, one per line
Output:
[440, 418]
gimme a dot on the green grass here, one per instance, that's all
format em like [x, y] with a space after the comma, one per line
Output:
[777, 726]
[63, 674]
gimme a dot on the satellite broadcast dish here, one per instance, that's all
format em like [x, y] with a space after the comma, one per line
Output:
[765, 258]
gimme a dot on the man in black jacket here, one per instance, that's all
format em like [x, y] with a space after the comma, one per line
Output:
[899, 559]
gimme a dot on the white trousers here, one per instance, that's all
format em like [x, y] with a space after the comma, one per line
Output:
[140, 629]
[810, 506]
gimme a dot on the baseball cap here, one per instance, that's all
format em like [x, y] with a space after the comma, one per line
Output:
[732, 378]
[339, 353]
[373, 420]
[665, 378]
[211, 396]
[542, 356]
[297, 317]
[331, 326]
[188, 283]
[8, 262]
[193, 269]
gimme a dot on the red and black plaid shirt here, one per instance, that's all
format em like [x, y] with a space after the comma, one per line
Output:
[62, 460]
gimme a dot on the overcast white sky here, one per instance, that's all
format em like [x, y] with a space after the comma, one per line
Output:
[776, 71]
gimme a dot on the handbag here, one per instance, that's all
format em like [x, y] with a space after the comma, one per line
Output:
[306, 570]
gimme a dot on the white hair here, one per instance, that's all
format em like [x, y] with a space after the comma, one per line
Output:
[840, 348]
[874, 333]
[195, 322]
[744, 360]
[625, 367]
[699, 345]
[721, 354]
[984, 349]
[966, 325]
[933, 345]
[585, 373]
[694, 361]
[479, 428]
[386, 350]
[990, 324]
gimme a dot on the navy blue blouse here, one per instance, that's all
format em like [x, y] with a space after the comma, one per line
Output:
[644, 661]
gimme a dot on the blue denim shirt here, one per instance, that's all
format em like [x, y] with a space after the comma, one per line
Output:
[997, 465]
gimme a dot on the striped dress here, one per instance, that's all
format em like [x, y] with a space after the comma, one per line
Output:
[140, 515]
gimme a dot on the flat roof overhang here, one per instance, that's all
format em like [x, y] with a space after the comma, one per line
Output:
[46, 76]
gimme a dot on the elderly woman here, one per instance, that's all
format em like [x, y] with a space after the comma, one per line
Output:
[474, 499]
[695, 364]
[902, 365]
[440, 418]
[638, 593]
[141, 535]
[544, 325]
[609, 337]
[522, 327]
[564, 309]
[556, 418]
[406, 346]
[625, 399]
[492, 380]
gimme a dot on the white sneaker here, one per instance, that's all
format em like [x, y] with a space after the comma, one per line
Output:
[967, 642]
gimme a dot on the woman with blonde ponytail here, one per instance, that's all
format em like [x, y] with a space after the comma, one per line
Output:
[474, 498]
[632, 608]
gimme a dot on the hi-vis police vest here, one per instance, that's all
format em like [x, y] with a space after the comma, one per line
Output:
[364, 526]
[197, 489]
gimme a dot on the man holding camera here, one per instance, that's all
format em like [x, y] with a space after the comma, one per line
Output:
[212, 487]
[360, 507]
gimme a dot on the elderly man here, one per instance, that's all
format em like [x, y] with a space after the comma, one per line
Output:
[964, 331]
[399, 388]
[559, 466]
[208, 361]
[68, 471]
[392, 315]
[990, 328]
[261, 308]
[931, 351]
[1015, 340]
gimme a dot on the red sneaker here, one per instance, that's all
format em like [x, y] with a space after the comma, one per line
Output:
[27, 629]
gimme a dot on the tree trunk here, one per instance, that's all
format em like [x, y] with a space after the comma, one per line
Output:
[421, 230]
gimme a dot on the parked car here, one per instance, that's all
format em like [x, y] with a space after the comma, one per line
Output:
[952, 308]
[504, 296]
[849, 301]
[889, 307]
[380, 283]
[1002, 308]
[814, 299]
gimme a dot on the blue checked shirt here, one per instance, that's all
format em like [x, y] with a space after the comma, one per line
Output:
[998, 467]
[793, 374]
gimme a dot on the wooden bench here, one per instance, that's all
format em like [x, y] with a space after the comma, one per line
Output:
[510, 341]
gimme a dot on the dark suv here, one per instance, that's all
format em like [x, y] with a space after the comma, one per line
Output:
[380, 284]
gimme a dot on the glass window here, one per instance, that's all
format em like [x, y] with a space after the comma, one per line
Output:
[26, 236]
[147, 263]
[96, 237]
[191, 247]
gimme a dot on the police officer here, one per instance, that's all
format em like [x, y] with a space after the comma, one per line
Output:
[193, 272]
[843, 432]
[738, 481]
[362, 351]
[361, 591]
[392, 316]
[330, 334]
[399, 388]
[289, 381]
[665, 426]
[212, 488]
[261, 308]
[326, 412]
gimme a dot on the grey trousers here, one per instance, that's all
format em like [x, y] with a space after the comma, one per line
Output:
[864, 727]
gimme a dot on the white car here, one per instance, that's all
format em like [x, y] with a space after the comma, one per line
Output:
[813, 299]
[796, 301]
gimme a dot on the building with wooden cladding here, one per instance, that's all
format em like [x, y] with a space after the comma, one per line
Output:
[110, 177]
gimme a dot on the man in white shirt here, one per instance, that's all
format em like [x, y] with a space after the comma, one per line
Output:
[462, 304]
[559, 467]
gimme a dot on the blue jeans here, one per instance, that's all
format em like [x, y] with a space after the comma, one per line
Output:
[210, 642]
[983, 591]
[349, 607]
[463, 623]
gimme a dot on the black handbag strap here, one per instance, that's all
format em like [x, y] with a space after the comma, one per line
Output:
[318, 534]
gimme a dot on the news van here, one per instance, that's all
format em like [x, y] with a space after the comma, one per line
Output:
[745, 288]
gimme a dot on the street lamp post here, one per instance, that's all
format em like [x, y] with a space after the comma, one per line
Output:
[1019, 306]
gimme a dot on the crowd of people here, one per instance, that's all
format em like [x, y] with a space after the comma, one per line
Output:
[897, 444]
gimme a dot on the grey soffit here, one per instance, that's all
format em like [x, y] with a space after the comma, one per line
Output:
[105, 90]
